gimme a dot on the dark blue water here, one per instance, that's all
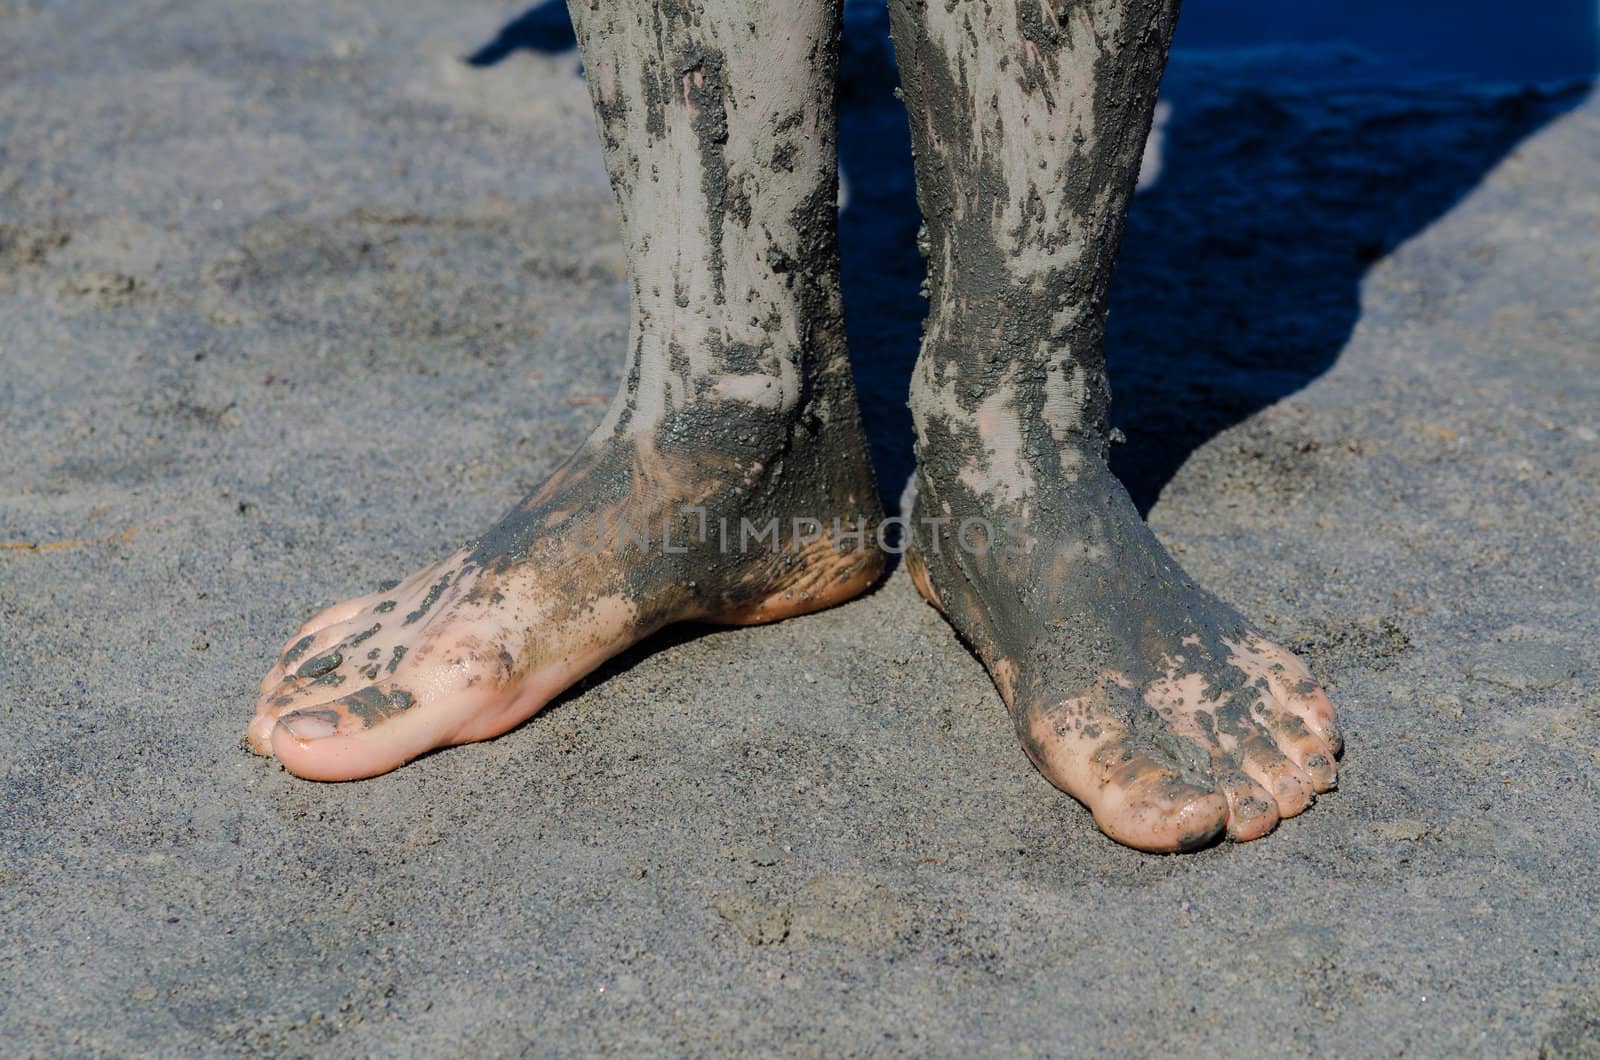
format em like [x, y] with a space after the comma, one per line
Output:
[1484, 40]
[1480, 40]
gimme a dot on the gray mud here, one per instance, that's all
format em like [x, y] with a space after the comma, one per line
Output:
[292, 301]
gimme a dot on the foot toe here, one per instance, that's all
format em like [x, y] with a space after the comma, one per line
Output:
[259, 733]
[1290, 786]
[1305, 748]
[300, 656]
[342, 611]
[1311, 703]
[340, 646]
[363, 734]
[1293, 686]
[1322, 769]
[1306, 700]
[1252, 811]
[273, 678]
[1140, 793]
[1150, 807]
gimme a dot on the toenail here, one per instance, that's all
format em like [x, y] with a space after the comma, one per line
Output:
[304, 727]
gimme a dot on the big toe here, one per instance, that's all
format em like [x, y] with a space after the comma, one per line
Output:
[1140, 795]
[1149, 806]
[366, 733]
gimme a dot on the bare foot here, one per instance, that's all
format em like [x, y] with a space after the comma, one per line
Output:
[1133, 689]
[473, 645]
[736, 410]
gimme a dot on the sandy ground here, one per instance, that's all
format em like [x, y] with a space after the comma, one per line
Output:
[293, 300]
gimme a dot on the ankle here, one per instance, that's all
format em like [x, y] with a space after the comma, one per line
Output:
[1027, 418]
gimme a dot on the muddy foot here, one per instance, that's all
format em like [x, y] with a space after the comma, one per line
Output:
[1134, 690]
[475, 644]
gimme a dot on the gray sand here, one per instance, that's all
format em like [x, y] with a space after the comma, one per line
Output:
[292, 301]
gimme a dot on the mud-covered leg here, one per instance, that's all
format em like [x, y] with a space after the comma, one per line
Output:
[1132, 688]
[711, 489]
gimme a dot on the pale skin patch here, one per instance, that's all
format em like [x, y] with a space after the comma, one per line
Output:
[1065, 399]
[777, 393]
[933, 395]
[1002, 476]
